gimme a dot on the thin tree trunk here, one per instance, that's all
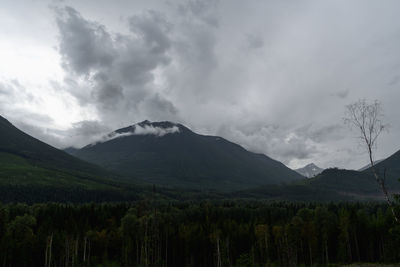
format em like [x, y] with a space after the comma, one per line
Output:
[76, 247]
[66, 252]
[381, 182]
[219, 264]
[137, 252]
[326, 252]
[45, 254]
[84, 249]
[50, 250]
[349, 246]
[357, 249]
[88, 258]
[166, 249]
[266, 243]
[227, 251]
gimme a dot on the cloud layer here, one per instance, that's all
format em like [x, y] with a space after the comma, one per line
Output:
[139, 130]
[273, 76]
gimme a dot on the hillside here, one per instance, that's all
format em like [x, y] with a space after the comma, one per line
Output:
[360, 185]
[335, 184]
[391, 166]
[169, 154]
[33, 170]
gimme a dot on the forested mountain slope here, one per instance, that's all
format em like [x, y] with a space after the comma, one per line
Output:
[169, 154]
[33, 170]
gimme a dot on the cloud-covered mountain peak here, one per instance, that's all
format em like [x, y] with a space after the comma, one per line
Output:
[159, 124]
[146, 127]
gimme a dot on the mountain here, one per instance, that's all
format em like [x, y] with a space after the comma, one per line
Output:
[391, 168]
[31, 170]
[170, 154]
[334, 185]
[369, 165]
[360, 184]
[347, 182]
[309, 170]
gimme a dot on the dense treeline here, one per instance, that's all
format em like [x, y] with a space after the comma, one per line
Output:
[230, 233]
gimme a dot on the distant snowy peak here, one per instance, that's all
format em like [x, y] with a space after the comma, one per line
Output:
[309, 170]
[146, 127]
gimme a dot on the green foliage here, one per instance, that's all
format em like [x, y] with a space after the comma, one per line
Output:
[233, 233]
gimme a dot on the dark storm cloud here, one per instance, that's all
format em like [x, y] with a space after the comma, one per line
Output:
[84, 45]
[165, 109]
[152, 26]
[107, 93]
[115, 71]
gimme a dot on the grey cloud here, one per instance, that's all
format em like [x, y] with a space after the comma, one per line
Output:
[160, 108]
[193, 74]
[80, 134]
[158, 131]
[114, 72]
[395, 80]
[88, 128]
[109, 137]
[185, 62]
[12, 92]
[153, 28]
[44, 134]
[254, 41]
[320, 134]
[106, 92]
[201, 10]
[84, 45]
[139, 130]
[342, 93]
[277, 142]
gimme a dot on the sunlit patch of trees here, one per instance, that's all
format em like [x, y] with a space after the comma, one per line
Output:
[227, 233]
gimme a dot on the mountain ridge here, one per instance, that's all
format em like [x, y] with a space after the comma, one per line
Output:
[184, 158]
[310, 170]
[29, 167]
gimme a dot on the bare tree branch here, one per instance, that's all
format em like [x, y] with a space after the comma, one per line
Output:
[367, 118]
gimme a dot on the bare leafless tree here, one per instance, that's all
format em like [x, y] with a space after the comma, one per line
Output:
[367, 119]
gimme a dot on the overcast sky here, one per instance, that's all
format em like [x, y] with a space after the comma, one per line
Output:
[273, 76]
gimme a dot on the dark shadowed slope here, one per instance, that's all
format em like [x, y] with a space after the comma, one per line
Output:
[361, 184]
[31, 169]
[390, 167]
[170, 154]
